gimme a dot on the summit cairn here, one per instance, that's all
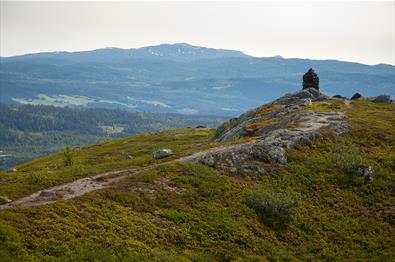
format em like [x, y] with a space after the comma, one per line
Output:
[311, 80]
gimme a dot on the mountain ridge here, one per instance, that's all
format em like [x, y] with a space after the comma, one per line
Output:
[147, 82]
[183, 44]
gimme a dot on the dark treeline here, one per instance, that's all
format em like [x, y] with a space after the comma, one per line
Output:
[29, 131]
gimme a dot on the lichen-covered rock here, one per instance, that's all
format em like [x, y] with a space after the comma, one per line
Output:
[162, 153]
[272, 129]
[277, 154]
[311, 93]
[245, 124]
[270, 147]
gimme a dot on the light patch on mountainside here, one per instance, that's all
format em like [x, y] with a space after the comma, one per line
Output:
[58, 101]
[64, 100]
[108, 101]
[230, 109]
[155, 103]
[188, 111]
[112, 130]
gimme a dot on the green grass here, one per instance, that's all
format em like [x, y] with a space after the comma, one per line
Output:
[191, 212]
[59, 100]
[90, 160]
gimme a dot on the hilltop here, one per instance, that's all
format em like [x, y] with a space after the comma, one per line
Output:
[158, 78]
[279, 182]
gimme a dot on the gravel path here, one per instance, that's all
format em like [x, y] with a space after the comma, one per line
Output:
[73, 189]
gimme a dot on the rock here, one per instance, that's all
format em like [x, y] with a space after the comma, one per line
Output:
[339, 96]
[208, 160]
[162, 153]
[295, 98]
[4, 199]
[14, 170]
[366, 172]
[47, 194]
[306, 102]
[271, 142]
[128, 157]
[311, 80]
[356, 96]
[277, 154]
[380, 99]
[200, 126]
[253, 169]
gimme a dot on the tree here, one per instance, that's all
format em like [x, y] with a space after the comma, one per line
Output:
[68, 157]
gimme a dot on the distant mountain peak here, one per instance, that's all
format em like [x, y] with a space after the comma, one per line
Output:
[183, 52]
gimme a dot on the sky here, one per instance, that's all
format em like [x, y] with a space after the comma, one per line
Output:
[350, 31]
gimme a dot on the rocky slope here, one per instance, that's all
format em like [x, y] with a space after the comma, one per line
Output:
[271, 129]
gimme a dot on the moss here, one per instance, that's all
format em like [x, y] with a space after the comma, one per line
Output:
[328, 105]
[259, 125]
[264, 110]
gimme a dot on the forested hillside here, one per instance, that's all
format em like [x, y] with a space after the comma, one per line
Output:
[27, 132]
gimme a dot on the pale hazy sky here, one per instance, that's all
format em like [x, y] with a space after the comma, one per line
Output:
[351, 31]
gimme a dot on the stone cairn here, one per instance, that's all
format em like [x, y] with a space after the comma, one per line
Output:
[311, 80]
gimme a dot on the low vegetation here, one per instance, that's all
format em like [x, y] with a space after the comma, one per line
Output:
[276, 208]
[304, 210]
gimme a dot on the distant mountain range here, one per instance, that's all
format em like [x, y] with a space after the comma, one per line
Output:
[177, 78]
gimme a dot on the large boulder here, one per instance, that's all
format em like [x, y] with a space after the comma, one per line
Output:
[162, 153]
[380, 99]
[356, 96]
[298, 97]
[311, 80]
[340, 96]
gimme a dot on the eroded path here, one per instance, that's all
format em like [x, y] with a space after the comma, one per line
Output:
[73, 189]
[274, 141]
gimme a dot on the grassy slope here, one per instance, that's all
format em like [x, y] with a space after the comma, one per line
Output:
[181, 212]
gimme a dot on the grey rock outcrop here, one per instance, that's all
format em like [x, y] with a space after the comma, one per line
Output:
[270, 146]
[380, 99]
[162, 153]
[270, 130]
[235, 128]
[375, 99]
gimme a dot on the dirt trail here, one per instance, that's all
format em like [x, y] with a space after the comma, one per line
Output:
[73, 189]
[88, 184]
